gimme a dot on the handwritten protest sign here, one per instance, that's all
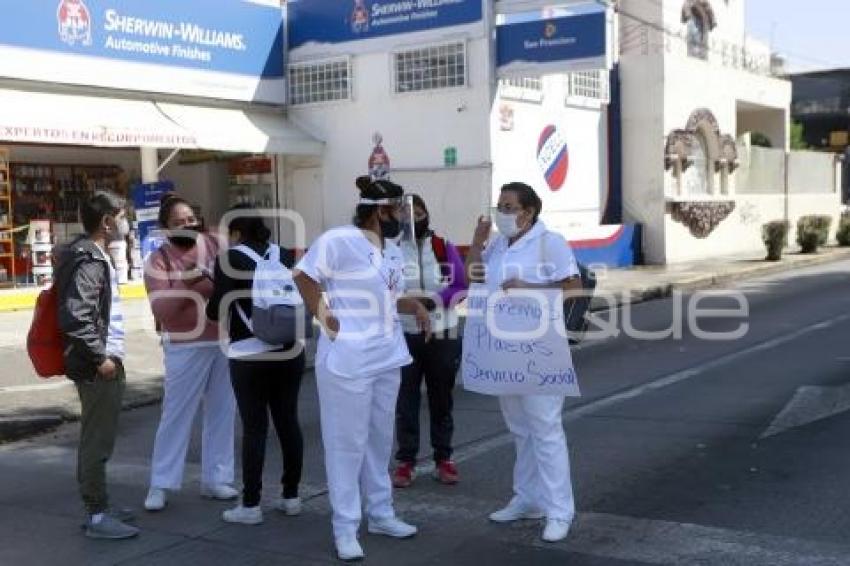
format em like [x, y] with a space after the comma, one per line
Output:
[515, 344]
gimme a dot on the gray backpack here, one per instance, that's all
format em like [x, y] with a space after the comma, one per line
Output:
[278, 315]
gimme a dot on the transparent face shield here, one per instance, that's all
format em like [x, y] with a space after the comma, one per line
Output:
[402, 210]
[404, 213]
[406, 239]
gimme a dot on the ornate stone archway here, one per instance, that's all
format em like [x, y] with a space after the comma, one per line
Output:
[702, 120]
[721, 148]
[701, 217]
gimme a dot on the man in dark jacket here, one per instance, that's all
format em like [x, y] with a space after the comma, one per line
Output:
[92, 325]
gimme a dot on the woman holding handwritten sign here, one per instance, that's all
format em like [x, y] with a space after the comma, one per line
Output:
[525, 255]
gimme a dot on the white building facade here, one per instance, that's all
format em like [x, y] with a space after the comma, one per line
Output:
[425, 104]
[696, 91]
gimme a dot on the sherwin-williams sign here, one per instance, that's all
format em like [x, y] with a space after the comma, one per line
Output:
[223, 48]
[554, 45]
[323, 26]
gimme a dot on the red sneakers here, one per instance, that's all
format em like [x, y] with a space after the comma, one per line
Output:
[404, 474]
[445, 472]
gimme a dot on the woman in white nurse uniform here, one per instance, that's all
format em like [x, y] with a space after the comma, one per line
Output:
[360, 355]
[525, 255]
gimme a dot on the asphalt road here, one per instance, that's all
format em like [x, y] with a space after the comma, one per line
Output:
[684, 451]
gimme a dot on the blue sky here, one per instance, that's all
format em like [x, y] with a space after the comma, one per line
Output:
[812, 35]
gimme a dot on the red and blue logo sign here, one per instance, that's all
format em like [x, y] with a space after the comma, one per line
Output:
[75, 25]
[553, 157]
[360, 17]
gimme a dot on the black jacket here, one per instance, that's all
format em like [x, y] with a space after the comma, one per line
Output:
[223, 284]
[85, 299]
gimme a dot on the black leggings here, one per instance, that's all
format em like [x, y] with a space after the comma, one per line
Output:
[264, 387]
[437, 363]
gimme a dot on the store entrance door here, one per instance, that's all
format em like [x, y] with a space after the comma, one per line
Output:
[308, 201]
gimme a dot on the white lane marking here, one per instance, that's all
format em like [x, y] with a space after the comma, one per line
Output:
[664, 542]
[689, 373]
[575, 413]
[631, 539]
[810, 403]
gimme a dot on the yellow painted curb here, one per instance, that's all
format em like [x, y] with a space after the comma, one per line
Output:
[134, 291]
[17, 300]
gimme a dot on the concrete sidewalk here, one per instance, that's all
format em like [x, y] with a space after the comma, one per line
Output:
[29, 404]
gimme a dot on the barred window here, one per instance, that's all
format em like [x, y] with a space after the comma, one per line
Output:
[527, 83]
[323, 81]
[429, 68]
[522, 88]
[588, 84]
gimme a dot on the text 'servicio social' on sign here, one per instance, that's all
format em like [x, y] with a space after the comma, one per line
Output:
[515, 344]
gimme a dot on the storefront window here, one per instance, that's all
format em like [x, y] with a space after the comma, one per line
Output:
[56, 192]
[252, 182]
[39, 207]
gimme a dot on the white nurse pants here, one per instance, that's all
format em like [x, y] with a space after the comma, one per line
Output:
[357, 415]
[195, 374]
[542, 469]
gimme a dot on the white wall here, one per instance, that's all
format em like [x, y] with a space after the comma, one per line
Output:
[740, 234]
[762, 170]
[577, 204]
[643, 137]
[661, 88]
[811, 172]
[691, 84]
[415, 128]
[453, 212]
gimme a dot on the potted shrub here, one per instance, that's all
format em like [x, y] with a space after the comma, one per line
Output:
[812, 232]
[775, 237]
[843, 234]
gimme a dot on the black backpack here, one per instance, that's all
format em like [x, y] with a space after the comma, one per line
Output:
[576, 308]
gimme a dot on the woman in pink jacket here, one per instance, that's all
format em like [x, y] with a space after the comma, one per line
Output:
[178, 282]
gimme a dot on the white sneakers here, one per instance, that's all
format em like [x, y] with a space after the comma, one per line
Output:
[220, 491]
[289, 507]
[516, 511]
[556, 530]
[244, 515]
[156, 499]
[391, 527]
[254, 515]
[348, 549]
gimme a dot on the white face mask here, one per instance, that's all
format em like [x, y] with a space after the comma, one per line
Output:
[506, 223]
[123, 227]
